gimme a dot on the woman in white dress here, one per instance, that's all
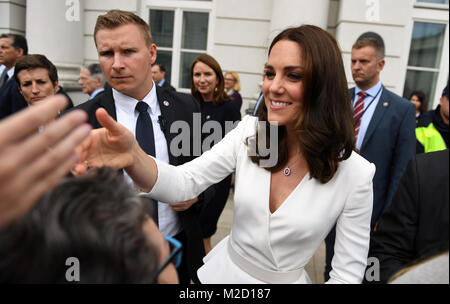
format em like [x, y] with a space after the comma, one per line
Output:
[284, 206]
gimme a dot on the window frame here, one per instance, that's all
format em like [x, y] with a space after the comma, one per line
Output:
[180, 6]
[430, 13]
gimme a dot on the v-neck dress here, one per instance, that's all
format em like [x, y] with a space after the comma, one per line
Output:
[265, 247]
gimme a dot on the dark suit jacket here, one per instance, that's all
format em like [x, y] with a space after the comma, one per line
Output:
[12, 101]
[166, 85]
[174, 107]
[416, 224]
[389, 143]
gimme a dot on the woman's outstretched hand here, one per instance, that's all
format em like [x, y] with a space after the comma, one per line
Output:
[110, 146]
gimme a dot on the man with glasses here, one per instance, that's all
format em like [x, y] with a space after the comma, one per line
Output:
[97, 220]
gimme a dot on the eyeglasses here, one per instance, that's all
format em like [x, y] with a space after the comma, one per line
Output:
[174, 256]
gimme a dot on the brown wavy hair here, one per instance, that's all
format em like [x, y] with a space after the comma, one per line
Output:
[325, 128]
[220, 96]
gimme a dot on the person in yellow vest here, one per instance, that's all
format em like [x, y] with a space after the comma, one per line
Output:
[432, 128]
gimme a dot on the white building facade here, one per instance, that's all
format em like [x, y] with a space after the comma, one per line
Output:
[238, 32]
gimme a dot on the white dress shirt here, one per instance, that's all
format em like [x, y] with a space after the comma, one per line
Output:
[10, 72]
[266, 247]
[127, 115]
[369, 109]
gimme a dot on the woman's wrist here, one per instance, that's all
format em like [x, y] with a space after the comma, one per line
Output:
[141, 169]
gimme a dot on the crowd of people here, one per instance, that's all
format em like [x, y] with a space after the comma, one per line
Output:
[132, 182]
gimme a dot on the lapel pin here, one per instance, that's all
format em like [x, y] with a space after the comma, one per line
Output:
[166, 103]
[385, 104]
[208, 117]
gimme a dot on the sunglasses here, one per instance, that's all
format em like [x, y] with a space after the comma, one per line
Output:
[174, 256]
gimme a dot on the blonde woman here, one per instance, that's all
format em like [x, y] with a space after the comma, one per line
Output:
[233, 86]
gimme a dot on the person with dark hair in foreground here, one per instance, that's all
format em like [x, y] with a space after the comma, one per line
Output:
[287, 200]
[96, 220]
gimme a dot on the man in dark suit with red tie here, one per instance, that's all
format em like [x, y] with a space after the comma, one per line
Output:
[384, 127]
[126, 53]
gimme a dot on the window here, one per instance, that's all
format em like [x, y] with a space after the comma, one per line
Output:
[161, 26]
[181, 31]
[424, 59]
[433, 1]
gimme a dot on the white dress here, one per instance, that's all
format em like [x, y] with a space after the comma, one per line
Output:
[274, 248]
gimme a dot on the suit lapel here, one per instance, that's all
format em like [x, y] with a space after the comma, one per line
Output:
[378, 115]
[106, 100]
[352, 96]
[168, 108]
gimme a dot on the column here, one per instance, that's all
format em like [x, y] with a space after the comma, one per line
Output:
[54, 28]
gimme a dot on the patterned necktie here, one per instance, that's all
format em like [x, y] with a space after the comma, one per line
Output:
[144, 129]
[358, 111]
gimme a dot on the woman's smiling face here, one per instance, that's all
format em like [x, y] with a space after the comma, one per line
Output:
[283, 83]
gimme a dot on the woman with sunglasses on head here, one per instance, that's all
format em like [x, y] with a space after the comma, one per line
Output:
[283, 206]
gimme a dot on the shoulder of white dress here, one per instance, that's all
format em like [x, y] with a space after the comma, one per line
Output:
[358, 165]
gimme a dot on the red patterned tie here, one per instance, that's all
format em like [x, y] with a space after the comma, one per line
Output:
[358, 111]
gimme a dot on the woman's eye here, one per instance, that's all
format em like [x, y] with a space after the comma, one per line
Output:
[295, 76]
[269, 74]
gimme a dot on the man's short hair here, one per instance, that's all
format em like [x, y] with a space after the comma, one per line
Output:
[115, 18]
[371, 39]
[34, 61]
[96, 218]
[96, 71]
[18, 42]
[162, 68]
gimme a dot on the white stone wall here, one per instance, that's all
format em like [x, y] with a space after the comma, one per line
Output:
[390, 19]
[241, 32]
[241, 41]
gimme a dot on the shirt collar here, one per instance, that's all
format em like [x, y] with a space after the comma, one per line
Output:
[124, 101]
[161, 83]
[372, 91]
[96, 92]
[10, 72]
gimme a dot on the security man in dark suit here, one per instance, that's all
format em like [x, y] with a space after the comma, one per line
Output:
[12, 48]
[126, 53]
[384, 127]
[159, 76]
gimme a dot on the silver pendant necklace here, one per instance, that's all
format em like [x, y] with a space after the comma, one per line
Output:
[287, 170]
